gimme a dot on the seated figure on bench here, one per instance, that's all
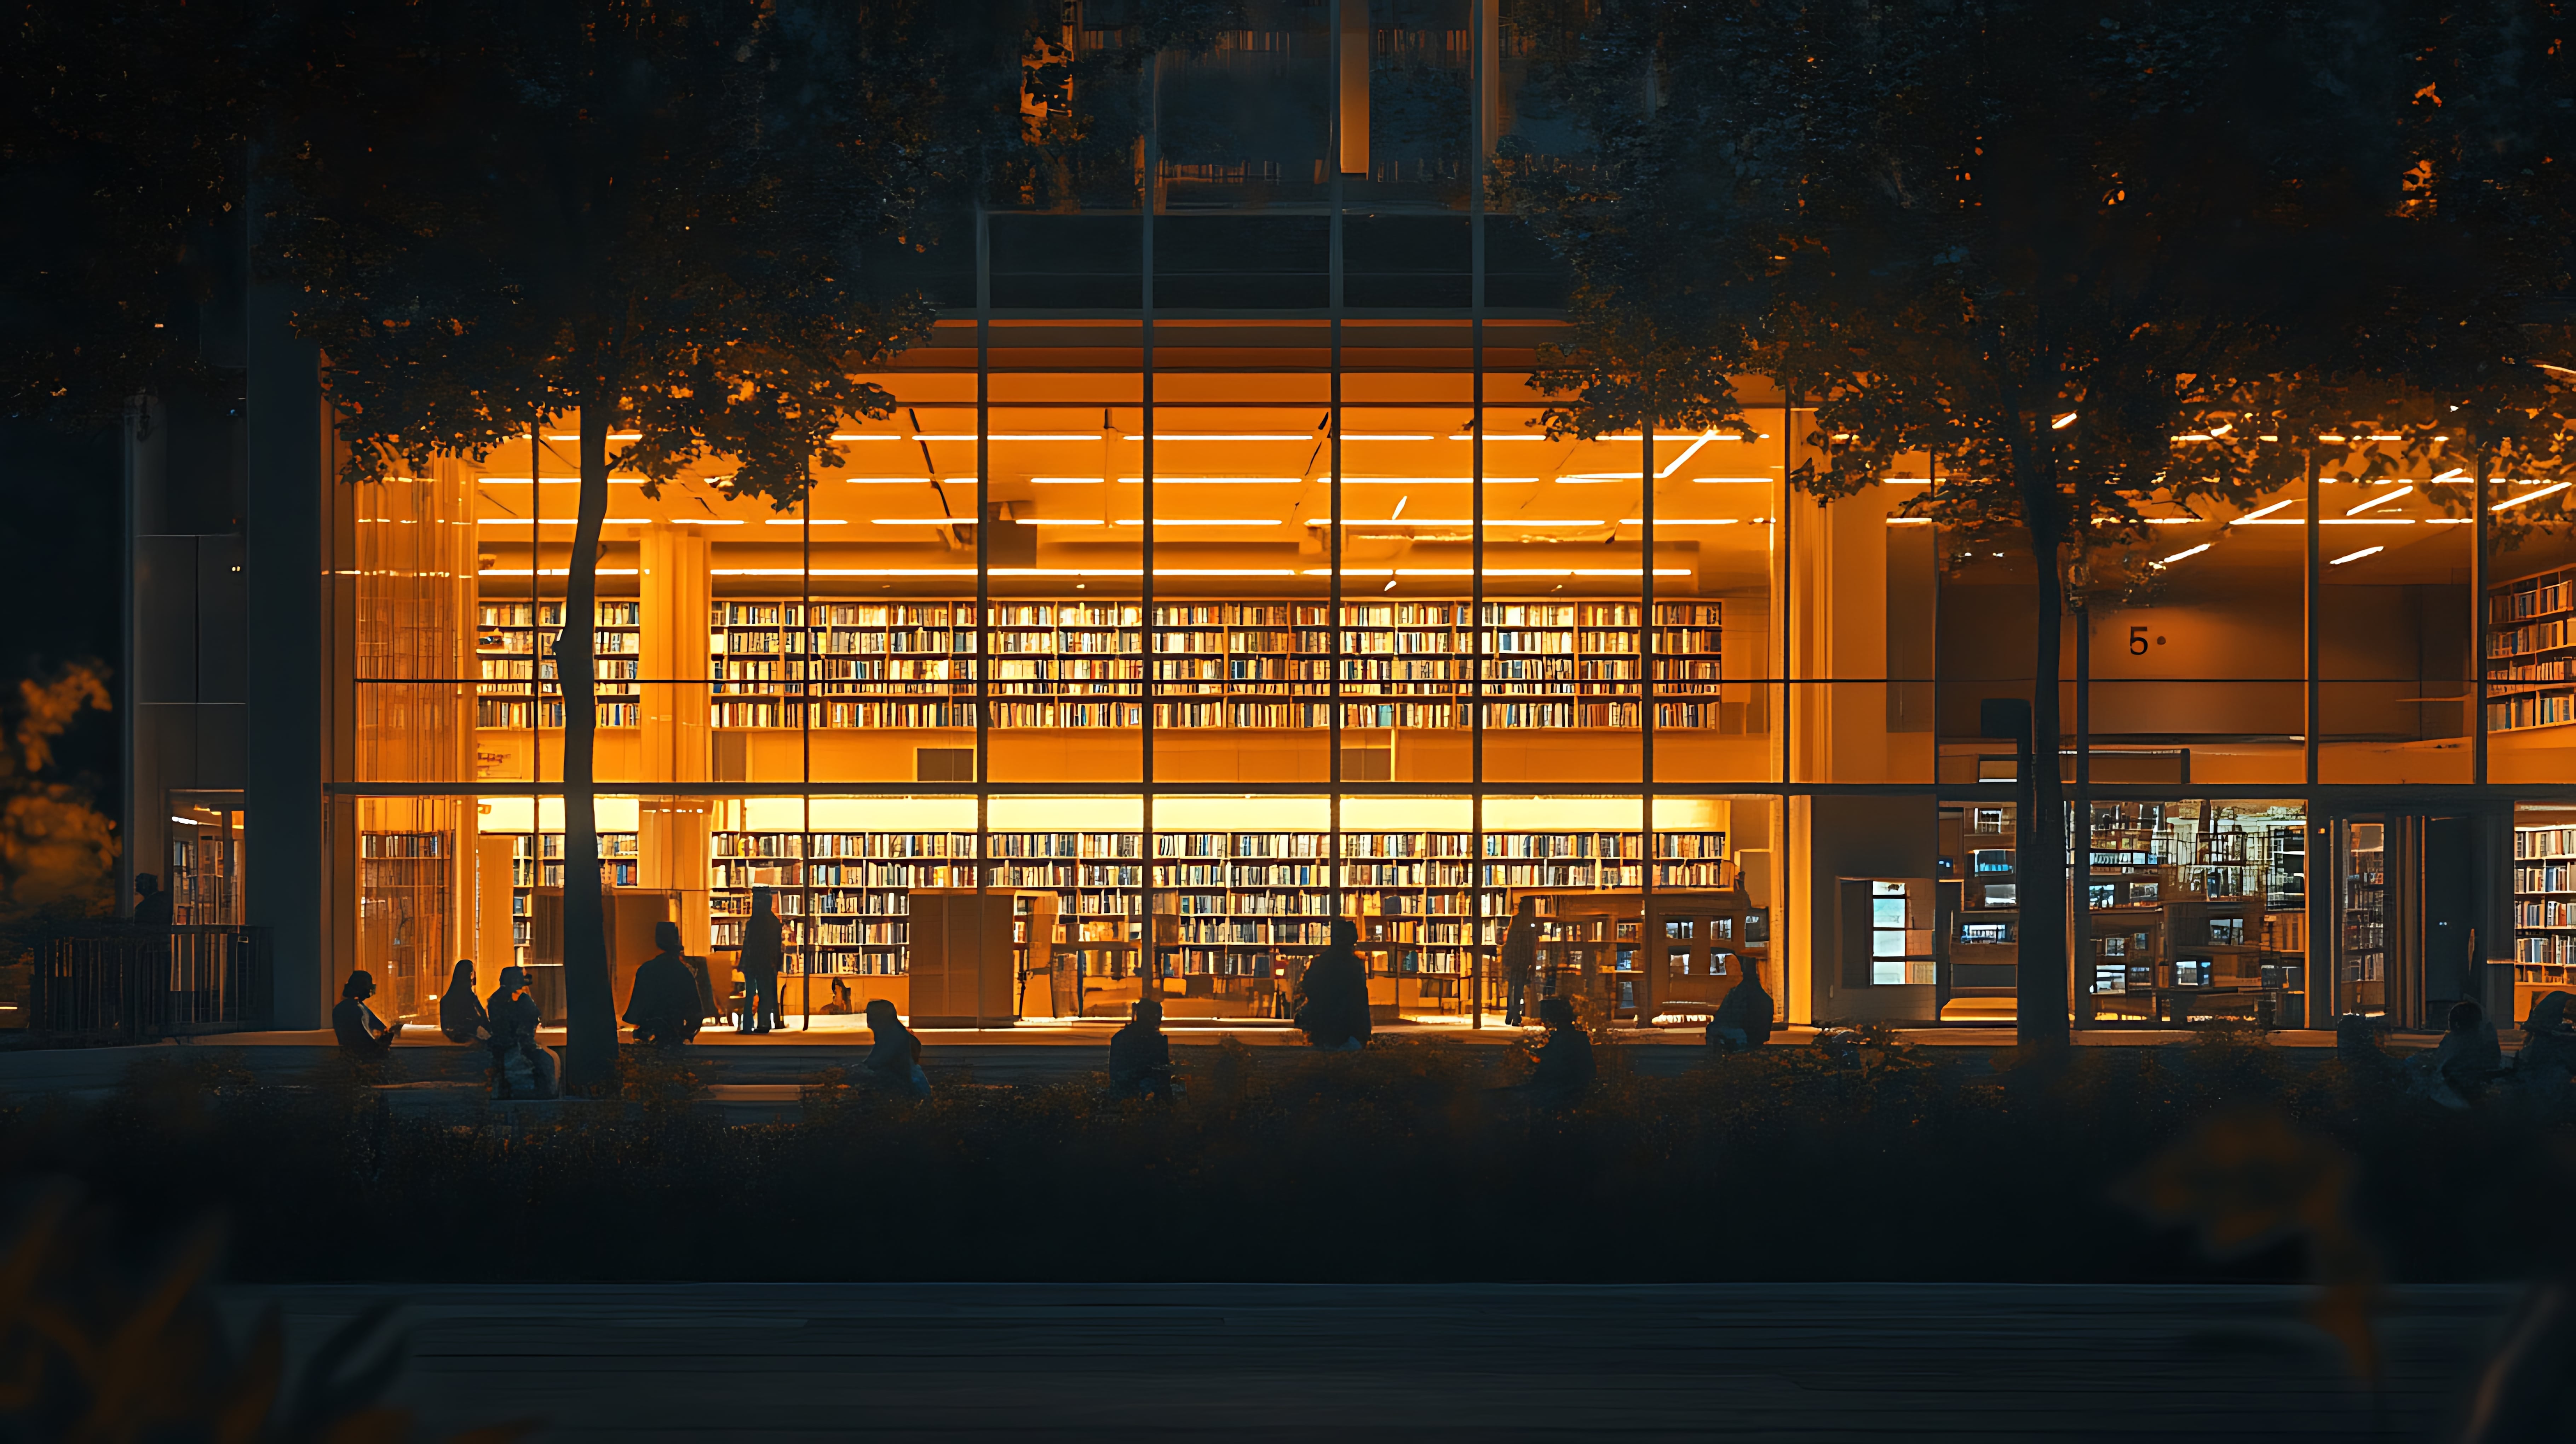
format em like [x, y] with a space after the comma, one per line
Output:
[512, 1019]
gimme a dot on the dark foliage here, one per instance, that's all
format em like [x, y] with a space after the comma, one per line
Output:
[1398, 1163]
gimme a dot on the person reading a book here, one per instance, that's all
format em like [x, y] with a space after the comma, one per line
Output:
[893, 1063]
[664, 1007]
[1140, 1057]
[1743, 1018]
[1335, 1016]
[363, 1036]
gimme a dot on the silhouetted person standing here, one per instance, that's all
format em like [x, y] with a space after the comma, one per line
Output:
[512, 1018]
[664, 1004]
[764, 952]
[362, 1034]
[1140, 1057]
[1336, 1014]
[460, 1014]
[151, 904]
[1743, 1018]
[1519, 961]
[894, 1057]
[1565, 1068]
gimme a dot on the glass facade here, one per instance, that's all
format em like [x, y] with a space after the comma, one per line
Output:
[1214, 577]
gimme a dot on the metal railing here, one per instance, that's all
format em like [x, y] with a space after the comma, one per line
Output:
[132, 985]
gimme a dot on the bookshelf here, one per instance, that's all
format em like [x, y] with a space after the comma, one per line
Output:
[2530, 652]
[2544, 913]
[1215, 664]
[536, 860]
[1239, 905]
[404, 883]
[517, 687]
[842, 898]
[2362, 960]
[1408, 892]
[854, 664]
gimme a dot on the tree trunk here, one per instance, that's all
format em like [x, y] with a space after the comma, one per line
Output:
[2040, 982]
[590, 1033]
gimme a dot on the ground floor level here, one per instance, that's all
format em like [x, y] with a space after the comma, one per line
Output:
[980, 907]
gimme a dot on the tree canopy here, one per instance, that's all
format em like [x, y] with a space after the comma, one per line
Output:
[2092, 261]
[124, 148]
[667, 218]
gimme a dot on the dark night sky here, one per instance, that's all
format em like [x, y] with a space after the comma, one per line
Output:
[61, 570]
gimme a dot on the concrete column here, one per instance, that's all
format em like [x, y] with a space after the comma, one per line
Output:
[671, 831]
[285, 571]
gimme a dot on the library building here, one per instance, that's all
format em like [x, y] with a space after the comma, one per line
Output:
[1216, 576]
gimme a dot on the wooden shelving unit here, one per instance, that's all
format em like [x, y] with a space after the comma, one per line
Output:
[2544, 912]
[2531, 652]
[518, 687]
[1217, 664]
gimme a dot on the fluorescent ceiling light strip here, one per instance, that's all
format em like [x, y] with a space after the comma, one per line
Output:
[2530, 496]
[553, 481]
[805, 521]
[2367, 521]
[1470, 436]
[1696, 442]
[2456, 476]
[559, 521]
[1909, 521]
[1388, 436]
[922, 521]
[1415, 521]
[1733, 480]
[841, 571]
[887, 480]
[2185, 552]
[1680, 521]
[1231, 436]
[867, 436]
[613, 436]
[1205, 521]
[558, 572]
[2355, 556]
[2405, 490]
[1218, 480]
[1436, 480]
[2255, 516]
[1009, 436]
[1054, 521]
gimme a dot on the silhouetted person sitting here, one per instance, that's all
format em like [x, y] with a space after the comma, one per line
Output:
[1336, 1013]
[893, 1063]
[460, 1013]
[151, 904]
[2548, 1039]
[2469, 1054]
[1743, 1017]
[1140, 1057]
[362, 1034]
[512, 1019]
[839, 1005]
[663, 1008]
[764, 952]
[1518, 961]
[1565, 1069]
